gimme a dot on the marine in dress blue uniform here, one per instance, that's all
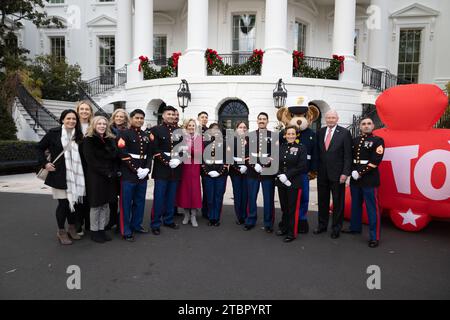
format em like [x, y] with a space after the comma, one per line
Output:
[259, 173]
[238, 176]
[215, 172]
[166, 173]
[368, 152]
[136, 154]
[293, 163]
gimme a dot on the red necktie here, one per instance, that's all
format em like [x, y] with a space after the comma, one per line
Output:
[328, 139]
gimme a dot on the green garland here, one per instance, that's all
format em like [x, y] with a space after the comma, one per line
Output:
[169, 71]
[301, 69]
[251, 66]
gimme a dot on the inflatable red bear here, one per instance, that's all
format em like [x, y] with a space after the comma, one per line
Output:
[415, 172]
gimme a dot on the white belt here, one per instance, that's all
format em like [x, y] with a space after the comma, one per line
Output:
[361, 161]
[264, 155]
[214, 161]
[238, 159]
[308, 157]
[137, 156]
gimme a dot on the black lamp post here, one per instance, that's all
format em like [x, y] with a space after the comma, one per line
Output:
[184, 95]
[279, 94]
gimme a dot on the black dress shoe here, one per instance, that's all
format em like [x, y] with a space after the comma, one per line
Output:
[319, 230]
[334, 235]
[281, 233]
[248, 228]
[268, 230]
[350, 231]
[141, 230]
[373, 243]
[216, 223]
[156, 232]
[240, 222]
[172, 226]
[288, 239]
[211, 223]
[129, 238]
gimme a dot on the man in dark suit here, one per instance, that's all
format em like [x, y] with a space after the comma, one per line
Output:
[335, 153]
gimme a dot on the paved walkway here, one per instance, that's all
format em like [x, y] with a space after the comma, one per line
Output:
[215, 262]
[28, 183]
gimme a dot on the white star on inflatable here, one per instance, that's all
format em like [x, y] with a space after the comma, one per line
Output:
[409, 217]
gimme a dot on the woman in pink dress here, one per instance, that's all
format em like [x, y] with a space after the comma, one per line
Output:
[189, 191]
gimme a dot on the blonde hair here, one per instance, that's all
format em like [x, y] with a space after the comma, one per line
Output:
[91, 130]
[187, 121]
[114, 114]
[88, 103]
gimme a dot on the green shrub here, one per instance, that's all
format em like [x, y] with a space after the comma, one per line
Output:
[8, 127]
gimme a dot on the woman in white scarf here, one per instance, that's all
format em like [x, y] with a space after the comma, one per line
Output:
[66, 176]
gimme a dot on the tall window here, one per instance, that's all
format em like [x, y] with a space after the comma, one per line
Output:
[409, 54]
[107, 59]
[300, 37]
[160, 50]
[58, 47]
[244, 35]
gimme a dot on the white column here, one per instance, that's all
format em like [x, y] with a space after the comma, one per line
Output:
[344, 38]
[344, 28]
[143, 37]
[378, 34]
[277, 61]
[143, 28]
[192, 62]
[124, 34]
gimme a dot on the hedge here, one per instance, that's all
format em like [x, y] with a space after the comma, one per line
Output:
[18, 157]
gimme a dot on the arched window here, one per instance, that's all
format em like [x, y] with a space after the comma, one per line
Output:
[231, 112]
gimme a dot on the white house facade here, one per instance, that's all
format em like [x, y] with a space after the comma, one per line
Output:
[405, 38]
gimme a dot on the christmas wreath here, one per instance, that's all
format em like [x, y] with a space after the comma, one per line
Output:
[301, 69]
[251, 66]
[171, 70]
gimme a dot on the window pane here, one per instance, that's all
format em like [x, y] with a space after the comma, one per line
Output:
[244, 32]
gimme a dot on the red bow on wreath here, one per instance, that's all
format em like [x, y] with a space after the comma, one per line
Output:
[143, 59]
[341, 60]
[298, 56]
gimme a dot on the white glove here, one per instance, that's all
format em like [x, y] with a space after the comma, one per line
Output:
[282, 178]
[258, 168]
[243, 169]
[213, 174]
[142, 173]
[355, 175]
[174, 163]
[287, 183]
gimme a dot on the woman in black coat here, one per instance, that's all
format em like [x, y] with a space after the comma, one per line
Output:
[100, 153]
[52, 142]
[292, 163]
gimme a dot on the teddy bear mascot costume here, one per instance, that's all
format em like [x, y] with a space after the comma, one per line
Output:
[300, 114]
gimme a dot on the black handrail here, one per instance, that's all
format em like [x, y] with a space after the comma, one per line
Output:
[85, 96]
[380, 80]
[317, 68]
[107, 81]
[42, 116]
[234, 59]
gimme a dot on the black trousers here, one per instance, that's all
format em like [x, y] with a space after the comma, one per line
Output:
[83, 214]
[290, 204]
[337, 190]
[63, 213]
